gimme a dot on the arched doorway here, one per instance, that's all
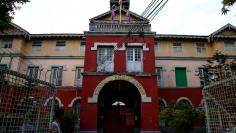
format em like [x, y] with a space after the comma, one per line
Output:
[119, 108]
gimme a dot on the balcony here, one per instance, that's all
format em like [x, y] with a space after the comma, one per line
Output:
[116, 27]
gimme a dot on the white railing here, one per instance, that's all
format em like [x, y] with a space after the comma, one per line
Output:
[109, 27]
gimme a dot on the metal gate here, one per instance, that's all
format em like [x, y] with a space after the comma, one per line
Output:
[220, 106]
[22, 103]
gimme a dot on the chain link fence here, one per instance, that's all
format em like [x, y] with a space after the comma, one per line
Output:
[220, 106]
[22, 103]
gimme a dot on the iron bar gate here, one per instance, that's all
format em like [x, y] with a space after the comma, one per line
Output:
[26, 103]
[220, 106]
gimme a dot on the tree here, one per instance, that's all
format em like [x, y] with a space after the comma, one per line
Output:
[226, 5]
[179, 117]
[7, 8]
[218, 68]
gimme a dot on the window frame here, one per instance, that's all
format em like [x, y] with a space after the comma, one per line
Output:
[82, 46]
[160, 83]
[31, 70]
[157, 46]
[227, 47]
[201, 49]
[177, 48]
[105, 58]
[134, 58]
[60, 45]
[58, 71]
[4, 43]
[78, 81]
[36, 45]
[201, 73]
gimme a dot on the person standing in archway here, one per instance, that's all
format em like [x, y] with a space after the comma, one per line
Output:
[58, 119]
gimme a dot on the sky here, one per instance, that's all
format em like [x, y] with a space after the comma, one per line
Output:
[190, 17]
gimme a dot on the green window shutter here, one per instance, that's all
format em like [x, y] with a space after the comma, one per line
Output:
[180, 77]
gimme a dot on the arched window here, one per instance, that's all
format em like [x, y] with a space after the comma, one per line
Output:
[76, 107]
[76, 112]
[184, 102]
[56, 104]
[161, 105]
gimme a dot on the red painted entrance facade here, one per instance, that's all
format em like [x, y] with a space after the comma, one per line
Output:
[119, 81]
[149, 114]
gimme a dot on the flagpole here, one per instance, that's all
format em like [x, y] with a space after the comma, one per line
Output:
[120, 14]
[120, 1]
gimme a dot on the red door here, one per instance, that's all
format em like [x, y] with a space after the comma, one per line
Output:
[119, 119]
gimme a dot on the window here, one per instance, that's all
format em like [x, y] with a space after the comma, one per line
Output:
[161, 105]
[233, 68]
[177, 47]
[229, 46]
[36, 46]
[33, 71]
[82, 46]
[60, 45]
[6, 44]
[202, 75]
[56, 75]
[78, 76]
[3, 66]
[159, 71]
[76, 109]
[157, 46]
[105, 59]
[134, 59]
[200, 47]
[184, 102]
[180, 77]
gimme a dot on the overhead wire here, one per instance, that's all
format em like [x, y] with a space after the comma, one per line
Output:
[155, 14]
[148, 7]
[154, 5]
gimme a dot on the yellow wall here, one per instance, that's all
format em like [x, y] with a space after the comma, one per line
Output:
[189, 49]
[219, 45]
[72, 48]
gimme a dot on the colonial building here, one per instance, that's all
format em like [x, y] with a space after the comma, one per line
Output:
[118, 75]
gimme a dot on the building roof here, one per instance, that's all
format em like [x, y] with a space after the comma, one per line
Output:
[19, 28]
[227, 26]
[172, 36]
[216, 34]
[57, 35]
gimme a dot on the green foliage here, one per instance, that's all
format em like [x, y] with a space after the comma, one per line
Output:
[7, 8]
[226, 5]
[178, 117]
[218, 68]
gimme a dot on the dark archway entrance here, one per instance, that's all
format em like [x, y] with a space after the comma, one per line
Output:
[119, 108]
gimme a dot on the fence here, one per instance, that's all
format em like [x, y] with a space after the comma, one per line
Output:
[220, 106]
[22, 103]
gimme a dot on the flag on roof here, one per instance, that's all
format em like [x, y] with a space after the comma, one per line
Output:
[113, 14]
[128, 14]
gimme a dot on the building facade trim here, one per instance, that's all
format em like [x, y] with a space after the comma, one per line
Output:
[56, 98]
[184, 98]
[73, 100]
[142, 92]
